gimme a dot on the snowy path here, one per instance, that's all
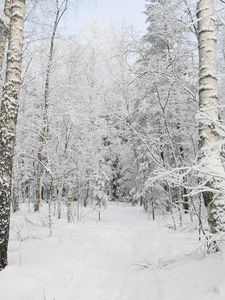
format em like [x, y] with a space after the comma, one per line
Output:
[125, 257]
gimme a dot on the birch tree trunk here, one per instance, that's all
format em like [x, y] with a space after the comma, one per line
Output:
[4, 29]
[8, 119]
[43, 137]
[209, 140]
[69, 204]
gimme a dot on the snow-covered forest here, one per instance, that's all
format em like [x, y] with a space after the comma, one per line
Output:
[112, 153]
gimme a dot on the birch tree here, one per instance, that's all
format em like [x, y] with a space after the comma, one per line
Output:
[44, 135]
[209, 139]
[4, 29]
[8, 120]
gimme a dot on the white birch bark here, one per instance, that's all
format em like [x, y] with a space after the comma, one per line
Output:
[4, 29]
[8, 119]
[69, 204]
[209, 140]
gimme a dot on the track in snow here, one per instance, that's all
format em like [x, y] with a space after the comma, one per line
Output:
[124, 257]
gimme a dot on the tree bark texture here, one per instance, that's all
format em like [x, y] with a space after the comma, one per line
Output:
[8, 119]
[209, 141]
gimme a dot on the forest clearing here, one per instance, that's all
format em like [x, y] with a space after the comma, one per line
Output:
[125, 257]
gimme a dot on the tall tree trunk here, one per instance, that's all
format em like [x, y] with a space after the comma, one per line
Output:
[8, 119]
[43, 137]
[4, 29]
[209, 149]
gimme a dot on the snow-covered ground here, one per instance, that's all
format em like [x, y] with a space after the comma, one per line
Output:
[124, 257]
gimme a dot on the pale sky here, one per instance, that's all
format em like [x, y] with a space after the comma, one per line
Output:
[106, 12]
